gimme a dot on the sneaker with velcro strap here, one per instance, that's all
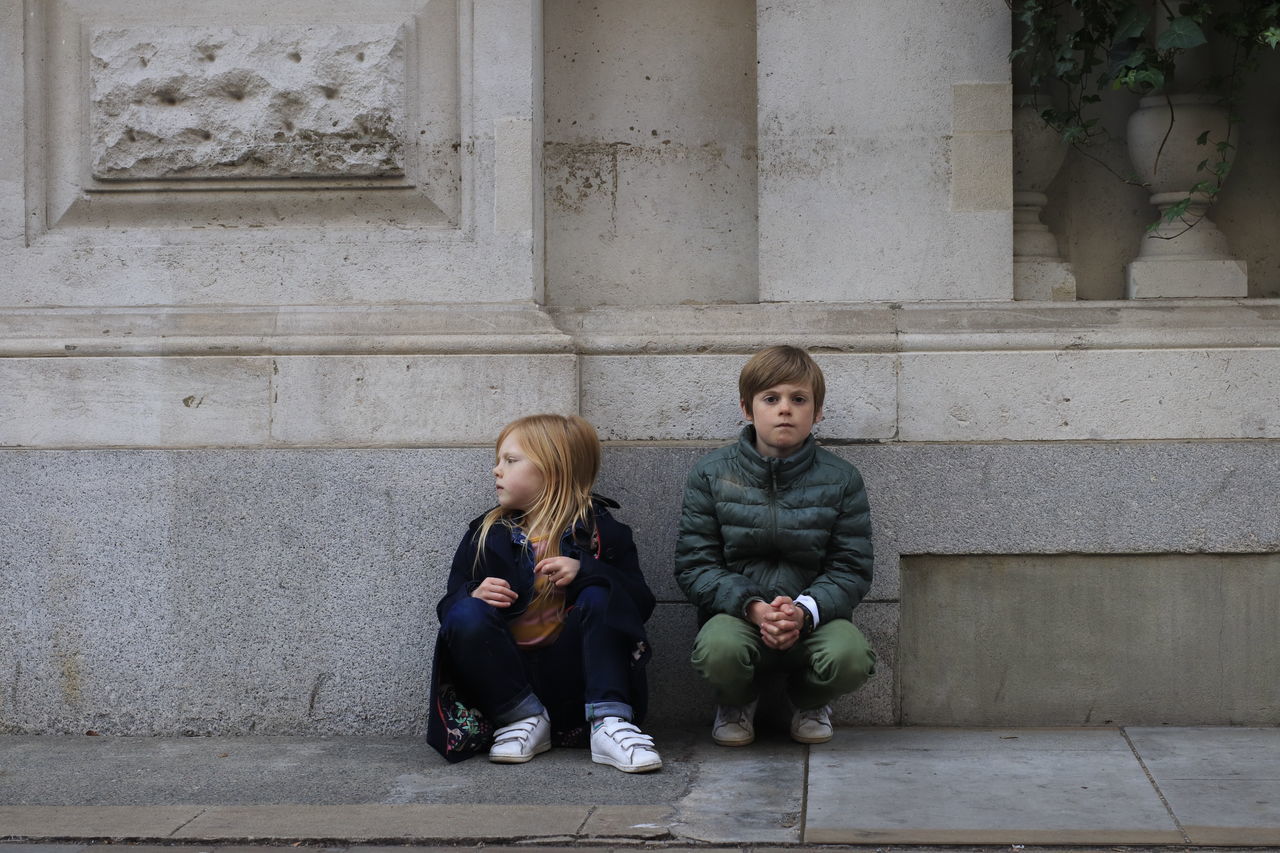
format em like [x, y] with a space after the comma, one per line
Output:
[522, 740]
[617, 742]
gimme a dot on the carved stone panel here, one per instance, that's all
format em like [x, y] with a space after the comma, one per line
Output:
[246, 102]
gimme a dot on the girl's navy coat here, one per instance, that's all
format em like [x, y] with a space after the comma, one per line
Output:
[609, 561]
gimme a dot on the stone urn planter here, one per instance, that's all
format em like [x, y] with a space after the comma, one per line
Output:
[1175, 259]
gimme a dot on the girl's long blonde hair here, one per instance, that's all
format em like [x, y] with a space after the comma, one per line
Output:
[566, 451]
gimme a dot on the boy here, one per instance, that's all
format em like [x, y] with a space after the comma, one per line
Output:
[775, 552]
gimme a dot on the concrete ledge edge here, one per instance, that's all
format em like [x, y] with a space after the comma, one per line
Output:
[637, 330]
[371, 823]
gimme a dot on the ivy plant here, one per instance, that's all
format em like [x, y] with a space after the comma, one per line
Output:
[1074, 50]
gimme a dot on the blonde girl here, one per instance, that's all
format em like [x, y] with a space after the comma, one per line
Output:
[542, 622]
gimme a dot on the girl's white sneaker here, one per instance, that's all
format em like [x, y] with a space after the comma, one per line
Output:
[522, 740]
[617, 742]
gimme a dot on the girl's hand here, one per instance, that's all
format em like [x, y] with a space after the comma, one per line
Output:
[561, 570]
[495, 591]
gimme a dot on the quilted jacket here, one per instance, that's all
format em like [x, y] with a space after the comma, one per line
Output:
[757, 527]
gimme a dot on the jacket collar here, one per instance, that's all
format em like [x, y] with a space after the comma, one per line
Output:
[781, 471]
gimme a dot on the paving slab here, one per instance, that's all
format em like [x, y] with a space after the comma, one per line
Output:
[1223, 784]
[93, 821]
[261, 770]
[966, 786]
[640, 822]
[750, 794]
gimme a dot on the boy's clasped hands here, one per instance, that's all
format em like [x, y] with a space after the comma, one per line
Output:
[780, 621]
[498, 593]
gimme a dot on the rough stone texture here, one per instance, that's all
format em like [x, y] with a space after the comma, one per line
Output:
[226, 592]
[1095, 498]
[426, 237]
[246, 102]
[979, 636]
[273, 591]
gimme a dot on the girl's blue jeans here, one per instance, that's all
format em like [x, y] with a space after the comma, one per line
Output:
[589, 661]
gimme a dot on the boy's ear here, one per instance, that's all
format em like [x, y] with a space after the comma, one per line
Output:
[746, 410]
[817, 416]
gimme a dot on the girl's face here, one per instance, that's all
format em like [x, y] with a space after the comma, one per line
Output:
[518, 480]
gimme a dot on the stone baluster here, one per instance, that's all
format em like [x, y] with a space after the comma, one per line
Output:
[1038, 152]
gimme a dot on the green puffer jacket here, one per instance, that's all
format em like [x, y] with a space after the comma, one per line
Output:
[757, 527]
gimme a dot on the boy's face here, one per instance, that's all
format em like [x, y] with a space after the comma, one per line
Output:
[783, 416]
[517, 480]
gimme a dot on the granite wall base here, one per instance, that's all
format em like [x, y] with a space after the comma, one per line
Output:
[293, 591]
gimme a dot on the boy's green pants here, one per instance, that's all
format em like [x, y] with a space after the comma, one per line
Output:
[833, 660]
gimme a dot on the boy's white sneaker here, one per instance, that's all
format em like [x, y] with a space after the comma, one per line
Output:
[813, 726]
[735, 724]
[522, 740]
[619, 743]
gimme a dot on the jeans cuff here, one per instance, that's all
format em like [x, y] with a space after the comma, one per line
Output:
[600, 710]
[528, 706]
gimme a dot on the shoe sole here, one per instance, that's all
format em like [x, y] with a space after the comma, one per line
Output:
[519, 759]
[739, 742]
[627, 768]
[818, 739]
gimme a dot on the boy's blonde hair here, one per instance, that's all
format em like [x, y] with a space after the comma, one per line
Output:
[778, 365]
[566, 451]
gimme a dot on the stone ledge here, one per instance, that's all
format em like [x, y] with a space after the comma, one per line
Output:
[279, 330]
[654, 330]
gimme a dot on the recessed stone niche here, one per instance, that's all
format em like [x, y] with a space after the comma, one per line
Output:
[174, 102]
[1089, 639]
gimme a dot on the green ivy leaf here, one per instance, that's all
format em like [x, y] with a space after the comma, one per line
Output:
[1202, 138]
[1177, 211]
[1183, 33]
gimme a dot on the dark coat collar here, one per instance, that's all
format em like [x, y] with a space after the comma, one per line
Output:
[781, 471]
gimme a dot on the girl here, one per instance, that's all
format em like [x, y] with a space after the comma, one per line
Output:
[544, 611]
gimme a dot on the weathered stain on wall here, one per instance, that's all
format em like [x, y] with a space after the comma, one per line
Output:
[650, 157]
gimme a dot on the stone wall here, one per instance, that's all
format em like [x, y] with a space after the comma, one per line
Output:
[284, 591]
[274, 278]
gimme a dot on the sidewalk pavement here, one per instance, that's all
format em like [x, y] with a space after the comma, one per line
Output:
[873, 786]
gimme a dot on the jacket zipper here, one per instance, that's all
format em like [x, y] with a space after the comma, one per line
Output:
[773, 503]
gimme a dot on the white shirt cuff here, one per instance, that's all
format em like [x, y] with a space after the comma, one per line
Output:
[809, 604]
